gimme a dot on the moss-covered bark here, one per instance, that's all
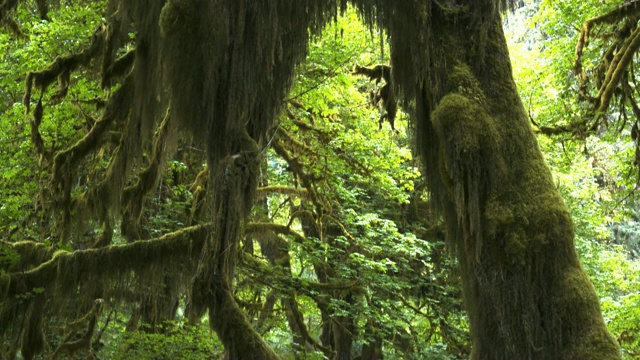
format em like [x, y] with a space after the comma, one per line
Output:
[525, 291]
[235, 179]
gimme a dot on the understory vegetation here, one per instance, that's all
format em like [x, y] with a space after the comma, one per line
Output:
[104, 220]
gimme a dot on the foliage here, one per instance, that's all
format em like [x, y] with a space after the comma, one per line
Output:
[356, 245]
[175, 341]
[360, 183]
[46, 40]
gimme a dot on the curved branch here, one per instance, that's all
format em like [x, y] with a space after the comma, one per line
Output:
[298, 170]
[618, 66]
[264, 191]
[298, 318]
[70, 346]
[264, 272]
[628, 10]
[133, 196]
[62, 67]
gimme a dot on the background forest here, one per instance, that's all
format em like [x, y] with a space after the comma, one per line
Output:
[341, 254]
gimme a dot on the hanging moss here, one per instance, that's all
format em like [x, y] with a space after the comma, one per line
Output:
[134, 125]
[118, 268]
[385, 95]
[468, 153]
[199, 190]
[133, 196]
[32, 339]
[263, 192]
[235, 180]
[70, 345]
[117, 69]
[228, 66]
[62, 67]
[235, 58]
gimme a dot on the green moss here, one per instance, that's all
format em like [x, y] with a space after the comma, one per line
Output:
[170, 19]
[30, 254]
[578, 294]
[461, 80]
[579, 304]
[32, 339]
[468, 160]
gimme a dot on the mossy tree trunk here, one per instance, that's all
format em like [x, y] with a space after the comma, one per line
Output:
[235, 178]
[228, 66]
[525, 291]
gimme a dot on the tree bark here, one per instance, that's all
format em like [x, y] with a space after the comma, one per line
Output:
[235, 179]
[524, 289]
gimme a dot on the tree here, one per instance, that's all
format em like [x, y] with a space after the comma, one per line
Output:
[221, 69]
[565, 106]
[512, 234]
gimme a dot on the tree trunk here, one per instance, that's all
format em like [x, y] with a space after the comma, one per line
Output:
[235, 179]
[373, 349]
[344, 329]
[524, 289]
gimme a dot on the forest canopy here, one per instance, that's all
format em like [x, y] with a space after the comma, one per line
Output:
[192, 180]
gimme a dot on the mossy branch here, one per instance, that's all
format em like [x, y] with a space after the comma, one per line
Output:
[261, 227]
[7, 7]
[383, 96]
[67, 161]
[297, 144]
[133, 196]
[119, 68]
[264, 191]
[619, 65]
[298, 317]
[629, 9]
[61, 69]
[578, 129]
[343, 229]
[298, 169]
[199, 191]
[36, 137]
[30, 254]
[65, 270]
[116, 109]
[615, 61]
[324, 137]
